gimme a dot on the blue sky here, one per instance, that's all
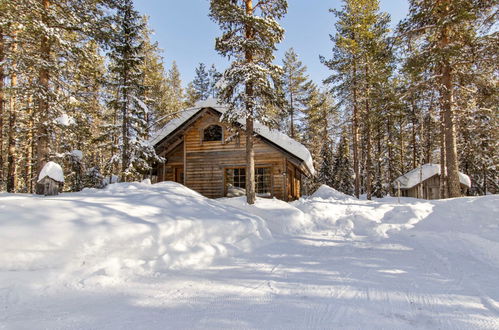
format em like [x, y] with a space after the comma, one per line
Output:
[187, 35]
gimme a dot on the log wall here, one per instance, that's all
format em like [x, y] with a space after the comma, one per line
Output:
[205, 161]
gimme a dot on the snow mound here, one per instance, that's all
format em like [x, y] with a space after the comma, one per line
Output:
[280, 217]
[53, 171]
[348, 217]
[326, 192]
[106, 236]
[467, 225]
[78, 154]
[65, 120]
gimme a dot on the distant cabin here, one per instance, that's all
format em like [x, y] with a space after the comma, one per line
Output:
[424, 182]
[209, 156]
[50, 180]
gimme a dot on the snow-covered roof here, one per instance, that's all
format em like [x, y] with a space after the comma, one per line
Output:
[53, 171]
[426, 171]
[282, 140]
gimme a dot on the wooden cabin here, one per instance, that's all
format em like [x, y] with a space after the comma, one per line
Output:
[424, 182]
[209, 156]
[50, 180]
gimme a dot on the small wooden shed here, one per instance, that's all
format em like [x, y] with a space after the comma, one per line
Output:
[51, 180]
[424, 182]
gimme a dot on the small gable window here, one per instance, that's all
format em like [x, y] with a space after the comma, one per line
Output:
[212, 133]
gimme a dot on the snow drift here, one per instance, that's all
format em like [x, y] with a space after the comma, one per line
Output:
[146, 254]
[127, 228]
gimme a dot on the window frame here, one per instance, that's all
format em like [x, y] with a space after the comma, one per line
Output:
[203, 133]
[269, 182]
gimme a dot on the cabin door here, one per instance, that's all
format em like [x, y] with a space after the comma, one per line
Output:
[290, 183]
[179, 174]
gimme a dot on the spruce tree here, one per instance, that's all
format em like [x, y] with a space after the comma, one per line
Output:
[250, 32]
[201, 83]
[326, 172]
[342, 168]
[126, 58]
[214, 77]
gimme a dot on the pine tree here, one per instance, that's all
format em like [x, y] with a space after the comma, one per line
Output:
[154, 80]
[445, 32]
[250, 33]
[361, 60]
[2, 86]
[295, 89]
[174, 93]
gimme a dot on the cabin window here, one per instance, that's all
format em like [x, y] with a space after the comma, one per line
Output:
[212, 133]
[237, 178]
[263, 181]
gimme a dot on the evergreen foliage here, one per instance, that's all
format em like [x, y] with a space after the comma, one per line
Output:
[201, 82]
[82, 84]
[342, 172]
[296, 89]
[249, 36]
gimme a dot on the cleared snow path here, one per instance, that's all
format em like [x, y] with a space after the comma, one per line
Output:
[425, 274]
[306, 282]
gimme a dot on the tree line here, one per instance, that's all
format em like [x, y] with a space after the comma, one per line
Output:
[82, 83]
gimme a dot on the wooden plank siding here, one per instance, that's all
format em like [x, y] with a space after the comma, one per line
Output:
[205, 161]
[430, 189]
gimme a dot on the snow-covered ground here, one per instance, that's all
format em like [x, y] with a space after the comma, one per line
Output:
[140, 256]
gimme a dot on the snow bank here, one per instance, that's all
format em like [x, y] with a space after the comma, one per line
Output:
[468, 226]
[281, 218]
[346, 216]
[107, 235]
[326, 192]
[53, 171]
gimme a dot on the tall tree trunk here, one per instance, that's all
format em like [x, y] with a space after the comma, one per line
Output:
[2, 86]
[29, 148]
[292, 114]
[443, 166]
[369, 173]
[414, 136]
[250, 156]
[390, 152]
[125, 156]
[125, 159]
[42, 152]
[453, 184]
[402, 148]
[11, 150]
[355, 133]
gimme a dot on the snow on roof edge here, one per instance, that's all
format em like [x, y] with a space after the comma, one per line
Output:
[424, 172]
[53, 171]
[280, 139]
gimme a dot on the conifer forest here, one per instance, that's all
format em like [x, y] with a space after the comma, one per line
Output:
[83, 84]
